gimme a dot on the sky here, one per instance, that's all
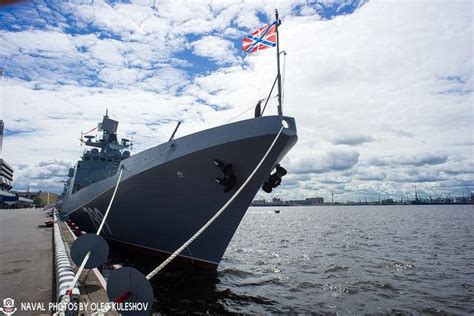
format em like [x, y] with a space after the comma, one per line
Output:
[382, 91]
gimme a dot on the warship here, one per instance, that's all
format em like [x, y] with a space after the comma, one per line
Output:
[166, 193]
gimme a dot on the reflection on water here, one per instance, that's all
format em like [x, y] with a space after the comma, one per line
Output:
[349, 259]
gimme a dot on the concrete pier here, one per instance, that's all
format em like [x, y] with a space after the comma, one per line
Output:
[26, 257]
[27, 272]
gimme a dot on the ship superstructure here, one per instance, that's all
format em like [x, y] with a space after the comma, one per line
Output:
[103, 160]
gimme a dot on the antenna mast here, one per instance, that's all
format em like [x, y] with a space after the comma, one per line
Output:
[277, 23]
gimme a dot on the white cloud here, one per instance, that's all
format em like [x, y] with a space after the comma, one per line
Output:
[217, 49]
[306, 10]
[120, 76]
[335, 160]
[108, 51]
[414, 160]
[395, 77]
[35, 41]
[167, 78]
[44, 174]
[351, 139]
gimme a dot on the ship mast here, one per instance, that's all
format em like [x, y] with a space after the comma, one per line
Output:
[277, 23]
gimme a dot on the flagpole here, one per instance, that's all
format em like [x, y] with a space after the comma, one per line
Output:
[280, 111]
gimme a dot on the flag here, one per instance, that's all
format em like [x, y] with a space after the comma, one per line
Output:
[263, 38]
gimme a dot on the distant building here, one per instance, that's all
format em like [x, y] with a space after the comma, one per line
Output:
[7, 199]
[28, 194]
[279, 202]
[6, 176]
[45, 198]
[259, 202]
[276, 200]
[39, 198]
[6, 171]
[314, 201]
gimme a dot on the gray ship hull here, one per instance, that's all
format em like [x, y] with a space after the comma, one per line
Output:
[169, 191]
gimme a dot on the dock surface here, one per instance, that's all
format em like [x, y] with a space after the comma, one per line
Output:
[91, 283]
[26, 256]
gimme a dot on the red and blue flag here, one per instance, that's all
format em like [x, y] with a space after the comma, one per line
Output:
[263, 38]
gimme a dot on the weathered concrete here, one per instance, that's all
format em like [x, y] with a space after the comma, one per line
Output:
[26, 262]
[26, 257]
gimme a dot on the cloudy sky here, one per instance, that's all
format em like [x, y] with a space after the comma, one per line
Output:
[382, 91]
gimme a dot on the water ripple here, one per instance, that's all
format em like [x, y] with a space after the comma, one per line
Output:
[336, 260]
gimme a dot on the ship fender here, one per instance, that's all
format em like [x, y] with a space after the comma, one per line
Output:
[229, 178]
[274, 179]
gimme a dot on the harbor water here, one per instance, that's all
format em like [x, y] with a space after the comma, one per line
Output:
[335, 259]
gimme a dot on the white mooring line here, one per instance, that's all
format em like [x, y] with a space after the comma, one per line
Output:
[203, 228]
[69, 290]
[65, 299]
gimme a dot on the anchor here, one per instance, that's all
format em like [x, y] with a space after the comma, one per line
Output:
[129, 284]
[229, 178]
[274, 180]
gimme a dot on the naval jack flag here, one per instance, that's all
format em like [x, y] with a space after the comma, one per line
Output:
[263, 38]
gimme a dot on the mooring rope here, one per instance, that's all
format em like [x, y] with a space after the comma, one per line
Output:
[201, 230]
[248, 109]
[135, 172]
[240, 114]
[223, 208]
[110, 203]
[66, 298]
